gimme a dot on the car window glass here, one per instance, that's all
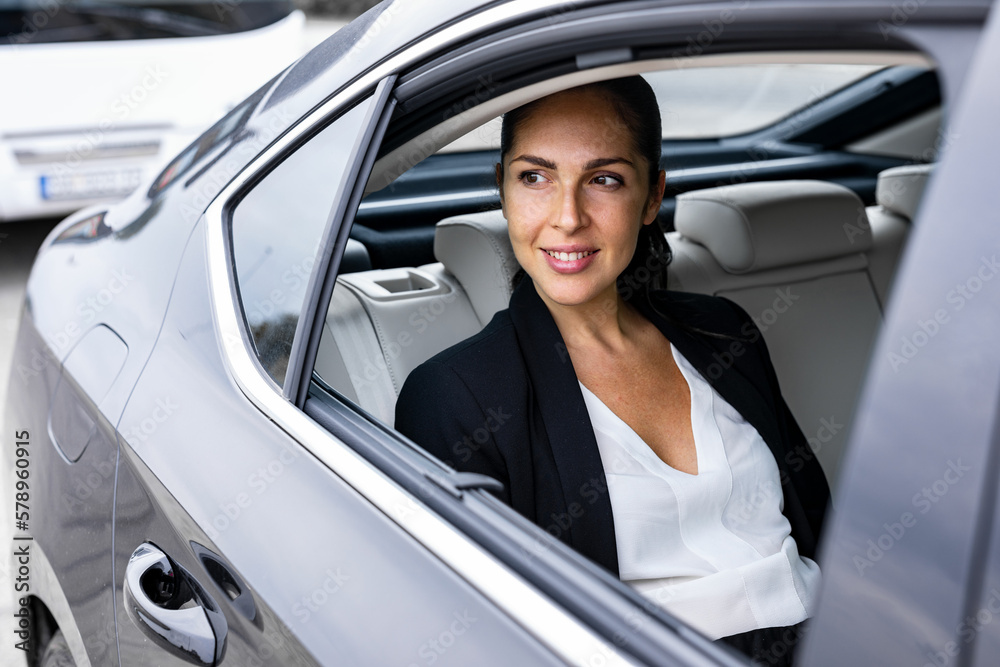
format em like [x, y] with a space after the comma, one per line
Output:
[724, 101]
[276, 230]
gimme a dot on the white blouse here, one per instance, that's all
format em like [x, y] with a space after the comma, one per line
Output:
[714, 548]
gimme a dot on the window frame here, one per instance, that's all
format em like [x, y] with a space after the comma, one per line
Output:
[618, 612]
[445, 491]
[309, 329]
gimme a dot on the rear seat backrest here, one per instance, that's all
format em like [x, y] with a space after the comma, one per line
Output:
[900, 189]
[782, 251]
[384, 323]
[475, 248]
[897, 195]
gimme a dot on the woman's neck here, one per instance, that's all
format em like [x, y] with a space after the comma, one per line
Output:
[606, 322]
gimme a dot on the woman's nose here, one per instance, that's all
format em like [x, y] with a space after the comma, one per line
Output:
[570, 215]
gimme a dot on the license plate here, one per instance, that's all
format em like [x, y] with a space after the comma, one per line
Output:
[90, 184]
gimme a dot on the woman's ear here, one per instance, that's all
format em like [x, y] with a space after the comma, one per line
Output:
[655, 198]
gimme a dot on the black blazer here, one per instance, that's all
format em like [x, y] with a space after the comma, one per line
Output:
[506, 403]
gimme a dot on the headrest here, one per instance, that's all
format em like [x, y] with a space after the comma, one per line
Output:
[756, 226]
[476, 249]
[900, 189]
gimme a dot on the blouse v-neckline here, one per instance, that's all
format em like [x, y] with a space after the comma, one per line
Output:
[701, 396]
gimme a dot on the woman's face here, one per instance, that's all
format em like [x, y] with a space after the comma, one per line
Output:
[575, 195]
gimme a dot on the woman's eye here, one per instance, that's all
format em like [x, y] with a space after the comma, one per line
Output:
[531, 178]
[608, 179]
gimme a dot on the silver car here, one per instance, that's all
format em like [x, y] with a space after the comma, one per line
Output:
[199, 422]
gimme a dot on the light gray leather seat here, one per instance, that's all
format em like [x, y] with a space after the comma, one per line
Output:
[897, 195]
[382, 324]
[475, 248]
[782, 251]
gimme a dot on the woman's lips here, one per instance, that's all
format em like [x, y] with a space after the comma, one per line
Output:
[569, 260]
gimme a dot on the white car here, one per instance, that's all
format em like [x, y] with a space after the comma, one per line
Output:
[99, 96]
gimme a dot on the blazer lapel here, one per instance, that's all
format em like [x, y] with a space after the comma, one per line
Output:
[716, 359]
[586, 515]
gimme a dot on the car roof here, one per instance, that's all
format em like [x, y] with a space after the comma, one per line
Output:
[368, 40]
[394, 25]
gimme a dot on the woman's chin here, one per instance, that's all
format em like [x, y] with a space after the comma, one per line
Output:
[569, 295]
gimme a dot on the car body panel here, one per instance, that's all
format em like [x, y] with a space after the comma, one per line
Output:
[70, 554]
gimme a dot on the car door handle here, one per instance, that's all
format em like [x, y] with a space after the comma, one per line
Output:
[170, 607]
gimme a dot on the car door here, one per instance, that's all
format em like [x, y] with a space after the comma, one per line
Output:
[62, 471]
[162, 559]
[234, 543]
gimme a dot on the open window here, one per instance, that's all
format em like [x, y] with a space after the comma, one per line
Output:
[441, 266]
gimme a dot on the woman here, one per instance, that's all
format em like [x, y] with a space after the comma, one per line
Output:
[643, 427]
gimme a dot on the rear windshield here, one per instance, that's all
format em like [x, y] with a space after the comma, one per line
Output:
[713, 102]
[703, 102]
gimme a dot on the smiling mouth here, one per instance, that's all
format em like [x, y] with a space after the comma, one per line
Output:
[570, 256]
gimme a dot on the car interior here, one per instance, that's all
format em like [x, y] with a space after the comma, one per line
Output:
[801, 222]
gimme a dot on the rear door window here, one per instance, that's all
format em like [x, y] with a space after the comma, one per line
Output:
[277, 229]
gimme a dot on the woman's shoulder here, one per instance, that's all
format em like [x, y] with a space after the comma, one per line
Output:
[497, 337]
[488, 359]
[460, 384]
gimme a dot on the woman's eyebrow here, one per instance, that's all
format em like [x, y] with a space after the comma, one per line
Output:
[603, 161]
[533, 159]
[593, 164]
